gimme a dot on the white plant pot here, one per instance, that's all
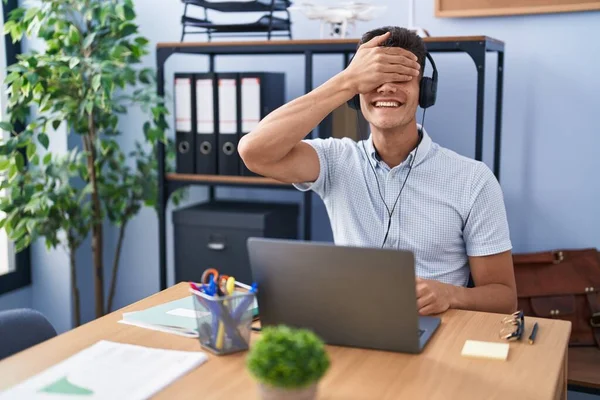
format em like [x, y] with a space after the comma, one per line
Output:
[274, 393]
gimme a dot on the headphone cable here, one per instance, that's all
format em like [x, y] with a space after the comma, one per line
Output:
[390, 213]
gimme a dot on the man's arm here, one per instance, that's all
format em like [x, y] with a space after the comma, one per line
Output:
[275, 148]
[487, 243]
[495, 288]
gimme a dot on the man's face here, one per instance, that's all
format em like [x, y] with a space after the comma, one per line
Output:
[391, 105]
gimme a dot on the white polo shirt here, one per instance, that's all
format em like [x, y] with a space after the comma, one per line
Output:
[451, 206]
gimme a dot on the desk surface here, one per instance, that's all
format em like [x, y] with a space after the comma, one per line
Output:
[531, 371]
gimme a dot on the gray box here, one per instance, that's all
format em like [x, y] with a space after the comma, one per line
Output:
[214, 235]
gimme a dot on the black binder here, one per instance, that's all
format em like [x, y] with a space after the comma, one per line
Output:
[184, 122]
[228, 158]
[206, 116]
[260, 94]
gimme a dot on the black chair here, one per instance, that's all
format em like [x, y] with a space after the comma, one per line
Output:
[22, 328]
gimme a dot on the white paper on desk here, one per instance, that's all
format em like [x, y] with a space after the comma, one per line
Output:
[108, 370]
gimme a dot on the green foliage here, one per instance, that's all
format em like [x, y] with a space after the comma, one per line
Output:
[42, 203]
[88, 75]
[289, 358]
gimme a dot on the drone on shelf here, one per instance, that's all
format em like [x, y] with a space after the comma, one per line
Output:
[340, 16]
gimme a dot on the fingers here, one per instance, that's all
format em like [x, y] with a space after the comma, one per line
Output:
[429, 309]
[377, 40]
[399, 60]
[424, 301]
[398, 51]
[386, 77]
[400, 69]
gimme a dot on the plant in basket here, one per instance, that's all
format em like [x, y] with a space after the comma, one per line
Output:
[288, 363]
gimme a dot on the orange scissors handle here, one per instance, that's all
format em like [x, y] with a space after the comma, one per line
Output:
[206, 276]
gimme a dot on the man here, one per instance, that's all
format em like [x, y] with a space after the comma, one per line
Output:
[397, 189]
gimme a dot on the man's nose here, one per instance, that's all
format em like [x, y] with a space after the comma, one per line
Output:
[387, 88]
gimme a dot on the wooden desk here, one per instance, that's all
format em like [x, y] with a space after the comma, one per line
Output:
[531, 372]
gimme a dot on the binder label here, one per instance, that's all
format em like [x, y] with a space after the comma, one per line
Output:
[183, 104]
[227, 106]
[204, 106]
[250, 103]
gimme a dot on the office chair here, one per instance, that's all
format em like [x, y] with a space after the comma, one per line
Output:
[21, 329]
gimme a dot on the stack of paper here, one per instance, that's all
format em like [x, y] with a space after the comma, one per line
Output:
[108, 370]
[179, 317]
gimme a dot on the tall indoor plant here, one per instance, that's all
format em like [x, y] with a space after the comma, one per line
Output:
[88, 74]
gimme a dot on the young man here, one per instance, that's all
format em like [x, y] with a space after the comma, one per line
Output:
[397, 189]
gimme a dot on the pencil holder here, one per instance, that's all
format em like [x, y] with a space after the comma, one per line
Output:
[224, 323]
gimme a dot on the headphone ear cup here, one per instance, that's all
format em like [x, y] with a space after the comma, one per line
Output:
[354, 102]
[427, 92]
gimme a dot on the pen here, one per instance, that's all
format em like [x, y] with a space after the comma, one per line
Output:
[533, 333]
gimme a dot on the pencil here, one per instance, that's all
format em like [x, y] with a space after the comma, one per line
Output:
[533, 333]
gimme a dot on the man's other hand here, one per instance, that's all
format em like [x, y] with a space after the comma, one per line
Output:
[433, 297]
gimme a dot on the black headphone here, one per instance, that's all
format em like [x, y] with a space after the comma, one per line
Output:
[427, 89]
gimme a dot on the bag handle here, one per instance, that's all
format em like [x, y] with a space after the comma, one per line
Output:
[543, 257]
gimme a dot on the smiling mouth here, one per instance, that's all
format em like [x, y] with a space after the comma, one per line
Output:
[387, 104]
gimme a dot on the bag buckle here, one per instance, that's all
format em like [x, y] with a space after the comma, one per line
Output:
[595, 320]
[558, 257]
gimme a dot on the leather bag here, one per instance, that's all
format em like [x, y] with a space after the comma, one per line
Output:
[562, 284]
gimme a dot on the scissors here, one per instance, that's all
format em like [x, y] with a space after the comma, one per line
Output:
[219, 280]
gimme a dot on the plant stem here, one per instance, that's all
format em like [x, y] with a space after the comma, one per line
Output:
[74, 290]
[115, 267]
[97, 246]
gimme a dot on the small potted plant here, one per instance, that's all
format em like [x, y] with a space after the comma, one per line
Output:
[288, 363]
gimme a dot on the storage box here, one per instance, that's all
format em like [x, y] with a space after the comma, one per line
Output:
[214, 235]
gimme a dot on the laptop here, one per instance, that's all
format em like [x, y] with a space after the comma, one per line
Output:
[349, 296]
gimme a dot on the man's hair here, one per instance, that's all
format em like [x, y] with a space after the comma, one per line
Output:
[400, 37]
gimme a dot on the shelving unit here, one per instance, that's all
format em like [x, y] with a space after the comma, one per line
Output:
[475, 46]
[268, 24]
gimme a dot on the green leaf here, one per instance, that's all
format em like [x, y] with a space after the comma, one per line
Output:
[96, 80]
[19, 162]
[30, 14]
[4, 163]
[35, 160]
[12, 77]
[7, 126]
[73, 63]
[74, 36]
[31, 150]
[121, 11]
[89, 39]
[129, 12]
[56, 123]
[47, 158]
[89, 106]
[142, 41]
[44, 140]
[128, 28]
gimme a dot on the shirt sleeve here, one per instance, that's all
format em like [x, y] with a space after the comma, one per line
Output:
[486, 229]
[329, 151]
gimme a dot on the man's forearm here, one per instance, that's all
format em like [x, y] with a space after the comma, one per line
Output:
[494, 297]
[278, 133]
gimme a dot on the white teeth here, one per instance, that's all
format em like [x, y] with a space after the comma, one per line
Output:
[386, 104]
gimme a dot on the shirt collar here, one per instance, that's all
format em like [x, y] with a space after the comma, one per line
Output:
[421, 150]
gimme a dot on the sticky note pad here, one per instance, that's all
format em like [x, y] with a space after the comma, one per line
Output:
[489, 350]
